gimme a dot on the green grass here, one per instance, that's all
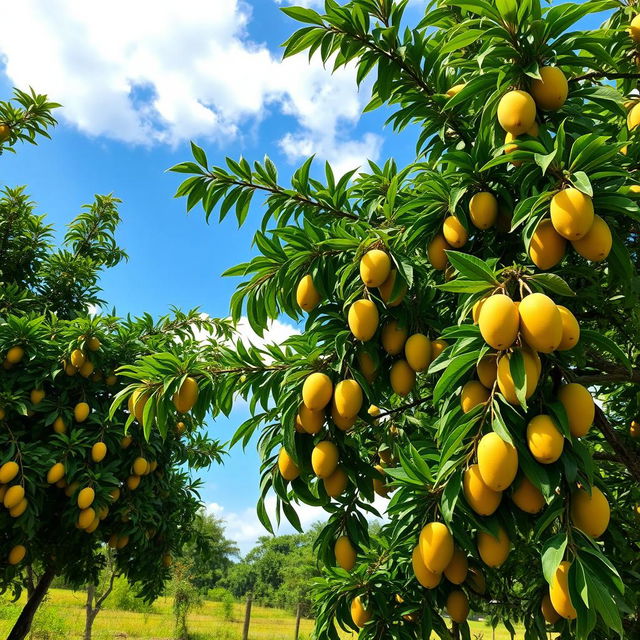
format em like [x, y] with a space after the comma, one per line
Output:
[64, 612]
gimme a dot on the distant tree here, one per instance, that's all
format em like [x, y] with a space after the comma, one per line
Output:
[209, 551]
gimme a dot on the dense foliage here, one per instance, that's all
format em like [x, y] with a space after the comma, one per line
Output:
[445, 294]
[76, 473]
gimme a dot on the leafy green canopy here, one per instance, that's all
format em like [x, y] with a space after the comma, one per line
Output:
[57, 386]
[445, 77]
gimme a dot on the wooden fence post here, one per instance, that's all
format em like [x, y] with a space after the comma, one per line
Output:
[298, 616]
[247, 618]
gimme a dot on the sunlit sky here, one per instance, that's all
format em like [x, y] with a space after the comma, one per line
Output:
[138, 81]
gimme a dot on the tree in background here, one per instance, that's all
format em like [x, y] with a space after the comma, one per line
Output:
[209, 551]
[278, 571]
[77, 473]
[465, 313]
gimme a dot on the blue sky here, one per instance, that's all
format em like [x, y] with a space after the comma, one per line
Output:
[129, 114]
[138, 81]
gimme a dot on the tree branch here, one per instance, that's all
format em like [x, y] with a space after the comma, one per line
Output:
[625, 456]
[403, 407]
[602, 75]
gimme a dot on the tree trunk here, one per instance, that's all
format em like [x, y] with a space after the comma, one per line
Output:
[90, 611]
[23, 624]
[247, 618]
[298, 616]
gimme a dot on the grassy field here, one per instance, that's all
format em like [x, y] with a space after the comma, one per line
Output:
[63, 616]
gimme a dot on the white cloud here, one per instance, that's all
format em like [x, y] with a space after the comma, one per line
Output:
[276, 333]
[152, 72]
[244, 527]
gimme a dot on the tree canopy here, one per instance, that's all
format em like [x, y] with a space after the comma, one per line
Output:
[471, 328]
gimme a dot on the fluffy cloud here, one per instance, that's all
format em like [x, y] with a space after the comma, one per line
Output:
[152, 72]
[245, 528]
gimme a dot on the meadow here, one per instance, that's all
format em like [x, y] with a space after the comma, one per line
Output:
[63, 616]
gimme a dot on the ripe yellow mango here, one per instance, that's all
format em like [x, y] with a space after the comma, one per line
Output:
[375, 267]
[634, 429]
[544, 440]
[19, 509]
[473, 393]
[437, 347]
[455, 90]
[56, 473]
[307, 295]
[571, 213]
[454, 232]
[457, 606]
[527, 497]
[590, 513]
[17, 554]
[359, 613]
[311, 421]
[493, 551]
[436, 546]
[483, 500]
[499, 321]
[596, 244]
[402, 377]
[86, 498]
[140, 466]
[81, 411]
[98, 451]
[348, 398]
[483, 209]
[487, 370]
[133, 482]
[13, 496]
[393, 337]
[516, 112]
[288, 468]
[428, 579]
[363, 318]
[456, 571]
[570, 329]
[324, 459]
[343, 423]
[317, 391]
[551, 91]
[580, 408]
[417, 351]
[559, 592]
[187, 396]
[36, 396]
[77, 358]
[436, 252]
[386, 290]
[634, 29]
[540, 322]
[86, 517]
[8, 471]
[497, 461]
[14, 355]
[345, 553]
[547, 247]
[336, 483]
[367, 366]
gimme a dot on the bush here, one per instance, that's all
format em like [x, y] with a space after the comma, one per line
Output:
[125, 598]
[218, 594]
[227, 606]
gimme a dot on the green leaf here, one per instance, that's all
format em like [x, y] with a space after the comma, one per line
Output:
[472, 267]
[519, 376]
[552, 555]
[458, 366]
[601, 342]
[552, 282]
[450, 495]
[581, 181]
[303, 14]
